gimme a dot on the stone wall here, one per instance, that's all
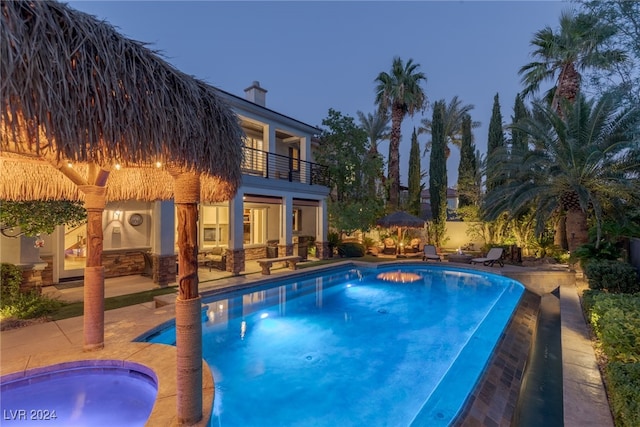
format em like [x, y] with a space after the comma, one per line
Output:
[163, 269]
[235, 261]
[255, 253]
[123, 263]
[31, 279]
[47, 273]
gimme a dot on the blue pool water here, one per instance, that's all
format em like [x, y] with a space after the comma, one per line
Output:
[346, 348]
[81, 393]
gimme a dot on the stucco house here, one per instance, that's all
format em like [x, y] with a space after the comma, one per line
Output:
[282, 203]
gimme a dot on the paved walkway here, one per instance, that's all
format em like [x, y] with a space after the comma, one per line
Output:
[585, 402]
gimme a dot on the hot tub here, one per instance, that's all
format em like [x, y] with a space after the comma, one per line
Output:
[79, 393]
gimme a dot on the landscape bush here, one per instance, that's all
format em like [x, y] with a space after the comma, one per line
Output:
[21, 305]
[351, 250]
[613, 276]
[624, 392]
[615, 320]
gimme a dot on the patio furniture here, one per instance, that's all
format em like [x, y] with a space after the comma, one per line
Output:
[429, 252]
[390, 247]
[459, 258]
[266, 263]
[494, 255]
[215, 258]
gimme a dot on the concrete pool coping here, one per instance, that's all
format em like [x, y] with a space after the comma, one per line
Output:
[585, 401]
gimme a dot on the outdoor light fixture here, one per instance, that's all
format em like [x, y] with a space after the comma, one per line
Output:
[116, 214]
[158, 164]
[117, 166]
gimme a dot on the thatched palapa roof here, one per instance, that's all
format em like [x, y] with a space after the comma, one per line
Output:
[75, 92]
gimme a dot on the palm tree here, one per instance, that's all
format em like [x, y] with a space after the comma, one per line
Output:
[578, 45]
[401, 92]
[582, 162]
[377, 128]
[453, 115]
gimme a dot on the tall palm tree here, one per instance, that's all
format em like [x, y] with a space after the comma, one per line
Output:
[453, 115]
[376, 126]
[579, 44]
[582, 163]
[402, 93]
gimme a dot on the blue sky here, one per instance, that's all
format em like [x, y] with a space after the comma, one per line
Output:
[312, 56]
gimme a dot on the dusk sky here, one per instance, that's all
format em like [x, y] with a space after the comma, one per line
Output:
[312, 56]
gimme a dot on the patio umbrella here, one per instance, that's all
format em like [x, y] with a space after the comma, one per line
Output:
[87, 114]
[400, 219]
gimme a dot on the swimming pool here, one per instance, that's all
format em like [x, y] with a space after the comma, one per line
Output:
[79, 393]
[353, 346]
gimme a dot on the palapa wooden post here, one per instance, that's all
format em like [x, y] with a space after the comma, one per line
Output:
[93, 321]
[188, 305]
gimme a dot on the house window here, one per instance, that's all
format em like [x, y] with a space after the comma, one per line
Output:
[215, 225]
[254, 156]
[294, 159]
[254, 226]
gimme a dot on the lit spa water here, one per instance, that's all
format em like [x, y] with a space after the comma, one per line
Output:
[349, 349]
[78, 396]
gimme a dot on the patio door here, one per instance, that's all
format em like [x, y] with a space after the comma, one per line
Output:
[72, 251]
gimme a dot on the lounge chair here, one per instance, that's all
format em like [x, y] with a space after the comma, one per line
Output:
[430, 253]
[494, 255]
[390, 247]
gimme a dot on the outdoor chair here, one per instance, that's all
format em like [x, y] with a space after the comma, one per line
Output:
[430, 253]
[390, 247]
[494, 255]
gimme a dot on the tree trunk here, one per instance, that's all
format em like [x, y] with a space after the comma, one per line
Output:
[188, 318]
[577, 230]
[568, 87]
[93, 319]
[560, 233]
[394, 157]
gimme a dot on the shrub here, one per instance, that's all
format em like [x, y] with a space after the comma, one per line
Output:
[589, 252]
[21, 305]
[616, 322]
[10, 280]
[614, 276]
[624, 392]
[351, 250]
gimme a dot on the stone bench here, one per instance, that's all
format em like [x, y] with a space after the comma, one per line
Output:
[266, 263]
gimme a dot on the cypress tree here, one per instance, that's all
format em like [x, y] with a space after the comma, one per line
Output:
[415, 184]
[438, 172]
[495, 141]
[518, 137]
[467, 169]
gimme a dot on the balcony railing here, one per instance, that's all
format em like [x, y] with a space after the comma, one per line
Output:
[276, 166]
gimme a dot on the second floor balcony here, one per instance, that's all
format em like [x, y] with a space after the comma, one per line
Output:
[276, 166]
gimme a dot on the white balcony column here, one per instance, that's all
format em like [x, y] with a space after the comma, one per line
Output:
[269, 135]
[305, 154]
[163, 228]
[286, 225]
[322, 225]
[163, 242]
[236, 226]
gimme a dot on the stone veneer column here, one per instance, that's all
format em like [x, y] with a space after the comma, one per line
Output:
[32, 277]
[285, 250]
[163, 269]
[322, 250]
[235, 261]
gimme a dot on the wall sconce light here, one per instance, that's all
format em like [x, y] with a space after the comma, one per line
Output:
[116, 214]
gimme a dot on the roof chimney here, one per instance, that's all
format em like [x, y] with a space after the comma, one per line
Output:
[256, 94]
